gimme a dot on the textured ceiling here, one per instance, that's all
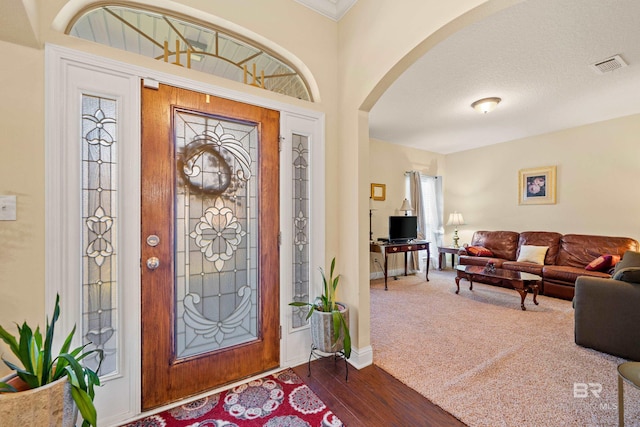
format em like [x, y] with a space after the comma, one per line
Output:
[536, 56]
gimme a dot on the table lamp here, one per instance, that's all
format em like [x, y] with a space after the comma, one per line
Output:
[406, 206]
[455, 219]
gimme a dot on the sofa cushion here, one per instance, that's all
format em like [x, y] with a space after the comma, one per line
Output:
[479, 260]
[478, 251]
[533, 254]
[629, 259]
[629, 274]
[503, 244]
[577, 250]
[603, 263]
[527, 267]
[542, 238]
[563, 273]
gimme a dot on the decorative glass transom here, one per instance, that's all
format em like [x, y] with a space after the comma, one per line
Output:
[202, 48]
[99, 215]
[216, 233]
[300, 204]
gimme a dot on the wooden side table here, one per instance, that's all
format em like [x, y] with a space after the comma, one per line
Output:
[442, 256]
[629, 372]
[390, 248]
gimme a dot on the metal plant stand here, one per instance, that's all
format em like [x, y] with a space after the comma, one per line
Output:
[336, 356]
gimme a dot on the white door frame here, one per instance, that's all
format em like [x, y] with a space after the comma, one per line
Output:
[66, 71]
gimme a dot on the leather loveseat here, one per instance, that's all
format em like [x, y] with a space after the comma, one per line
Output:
[565, 260]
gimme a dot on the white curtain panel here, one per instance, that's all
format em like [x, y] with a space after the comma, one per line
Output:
[426, 199]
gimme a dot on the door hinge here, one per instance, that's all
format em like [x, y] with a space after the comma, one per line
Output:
[280, 331]
[279, 238]
[280, 140]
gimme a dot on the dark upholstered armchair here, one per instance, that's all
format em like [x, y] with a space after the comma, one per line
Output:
[607, 311]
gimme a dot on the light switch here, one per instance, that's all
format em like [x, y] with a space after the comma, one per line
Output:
[7, 208]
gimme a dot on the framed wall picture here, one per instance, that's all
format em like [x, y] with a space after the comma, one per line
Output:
[378, 191]
[537, 186]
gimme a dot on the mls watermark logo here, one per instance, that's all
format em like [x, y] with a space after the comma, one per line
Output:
[584, 390]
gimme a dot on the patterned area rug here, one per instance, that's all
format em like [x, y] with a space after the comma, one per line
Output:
[278, 400]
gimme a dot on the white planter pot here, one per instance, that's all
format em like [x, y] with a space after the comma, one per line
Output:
[47, 406]
[322, 335]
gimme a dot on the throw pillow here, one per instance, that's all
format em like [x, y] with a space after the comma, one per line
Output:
[534, 254]
[629, 274]
[603, 263]
[479, 251]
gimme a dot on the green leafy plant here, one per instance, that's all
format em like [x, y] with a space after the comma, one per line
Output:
[327, 304]
[40, 367]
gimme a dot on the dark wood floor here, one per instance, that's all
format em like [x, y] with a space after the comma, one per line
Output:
[371, 397]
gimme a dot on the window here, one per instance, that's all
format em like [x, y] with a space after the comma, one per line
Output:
[197, 46]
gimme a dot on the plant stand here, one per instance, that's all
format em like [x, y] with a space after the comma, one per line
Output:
[338, 354]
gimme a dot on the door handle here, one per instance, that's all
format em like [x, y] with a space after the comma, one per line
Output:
[153, 263]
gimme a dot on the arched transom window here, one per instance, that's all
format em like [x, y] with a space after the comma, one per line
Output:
[177, 41]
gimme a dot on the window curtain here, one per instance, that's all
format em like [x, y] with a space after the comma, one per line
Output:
[434, 213]
[425, 194]
[415, 197]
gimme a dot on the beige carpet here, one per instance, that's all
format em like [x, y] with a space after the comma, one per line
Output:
[483, 359]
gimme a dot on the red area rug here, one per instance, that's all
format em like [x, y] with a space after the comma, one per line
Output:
[278, 400]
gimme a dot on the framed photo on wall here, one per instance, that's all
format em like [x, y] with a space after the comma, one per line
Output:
[537, 186]
[378, 191]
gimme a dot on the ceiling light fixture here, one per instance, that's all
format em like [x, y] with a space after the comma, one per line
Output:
[485, 105]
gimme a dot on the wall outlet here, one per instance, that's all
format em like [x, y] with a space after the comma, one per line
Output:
[7, 208]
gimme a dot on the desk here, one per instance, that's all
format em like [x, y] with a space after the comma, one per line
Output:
[393, 248]
[442, 256]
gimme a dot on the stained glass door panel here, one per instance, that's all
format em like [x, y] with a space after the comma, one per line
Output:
[210, 221]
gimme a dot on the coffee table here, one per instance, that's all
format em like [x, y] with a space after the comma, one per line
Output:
[520, 281]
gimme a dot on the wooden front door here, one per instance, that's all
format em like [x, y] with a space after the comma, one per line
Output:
[210, 261]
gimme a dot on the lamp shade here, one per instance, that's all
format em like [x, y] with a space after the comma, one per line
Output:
[455, 219]
[406, 205]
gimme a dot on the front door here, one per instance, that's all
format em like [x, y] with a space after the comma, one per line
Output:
[210, 261]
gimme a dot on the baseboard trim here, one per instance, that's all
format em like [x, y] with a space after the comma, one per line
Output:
[361, 357]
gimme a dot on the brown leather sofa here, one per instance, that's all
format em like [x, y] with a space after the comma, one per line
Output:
[564, 262]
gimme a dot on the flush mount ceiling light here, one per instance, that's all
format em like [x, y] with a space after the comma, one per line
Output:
[485, 105]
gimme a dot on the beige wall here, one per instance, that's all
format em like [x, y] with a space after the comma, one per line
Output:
[387, 165]
[21, 175]
[598, 166]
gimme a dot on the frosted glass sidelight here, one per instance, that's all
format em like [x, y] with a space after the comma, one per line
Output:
[99, 216]
[300, 205]
[216, 248]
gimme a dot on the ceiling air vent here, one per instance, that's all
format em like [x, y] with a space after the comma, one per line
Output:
[609, 64]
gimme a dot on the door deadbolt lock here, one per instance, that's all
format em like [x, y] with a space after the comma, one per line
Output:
[153, 240]
[153, 263]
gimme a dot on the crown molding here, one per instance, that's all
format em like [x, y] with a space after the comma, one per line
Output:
[333, 9]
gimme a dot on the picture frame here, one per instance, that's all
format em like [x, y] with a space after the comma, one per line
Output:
[378, 192]
[537, 186]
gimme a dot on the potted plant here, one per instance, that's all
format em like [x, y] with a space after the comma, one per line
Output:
[41, 370]
[329, 318]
